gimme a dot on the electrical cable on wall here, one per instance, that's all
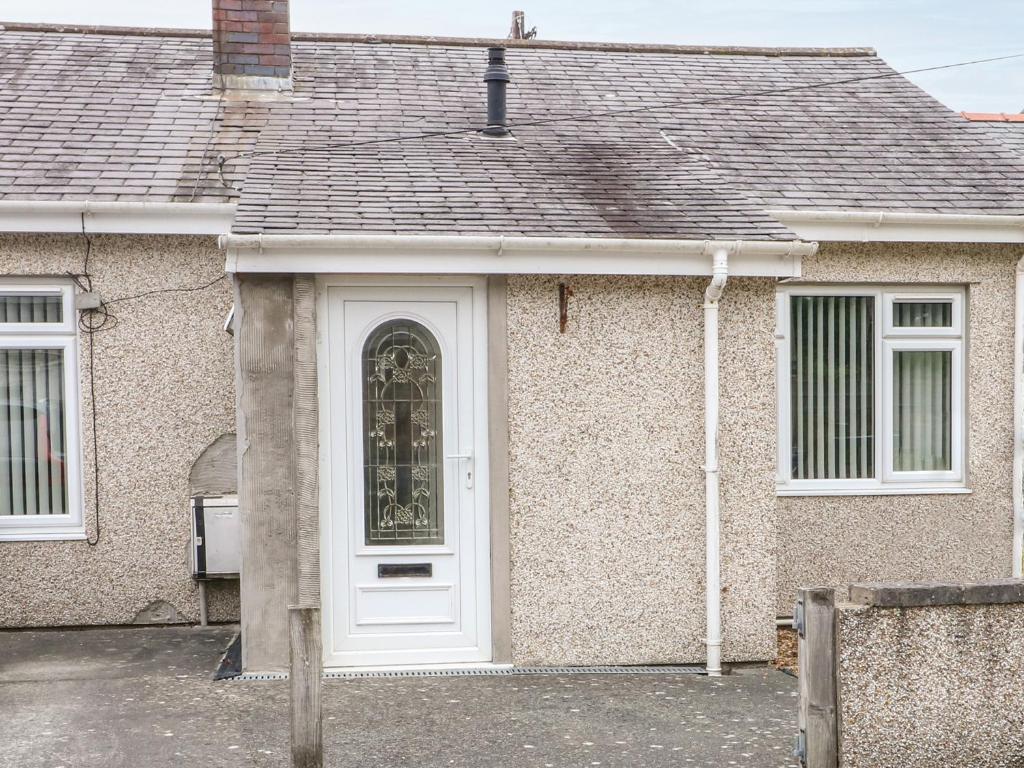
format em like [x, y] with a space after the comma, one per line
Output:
[95, 320]
[86, 286]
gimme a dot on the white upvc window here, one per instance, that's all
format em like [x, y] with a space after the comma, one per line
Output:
[871, 390]
[40, 475]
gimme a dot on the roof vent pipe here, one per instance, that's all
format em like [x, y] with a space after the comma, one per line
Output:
[497, 78]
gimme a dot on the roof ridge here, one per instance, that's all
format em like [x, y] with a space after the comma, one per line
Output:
[473, 42]
[97, 29]
[994, 117]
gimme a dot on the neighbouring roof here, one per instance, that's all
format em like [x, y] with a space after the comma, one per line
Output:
[129, 115]
[1006, 128]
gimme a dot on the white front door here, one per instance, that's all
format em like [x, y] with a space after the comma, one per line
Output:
[405, 551]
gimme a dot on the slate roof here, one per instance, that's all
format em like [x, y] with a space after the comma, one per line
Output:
[555, 182]
[129, 115]
[1011, 134]
[1005, 128]
[114, 117]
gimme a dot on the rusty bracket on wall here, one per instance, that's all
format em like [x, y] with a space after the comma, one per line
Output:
[564, 294]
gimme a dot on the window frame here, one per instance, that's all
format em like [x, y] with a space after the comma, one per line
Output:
[61, 336]
[887, 340]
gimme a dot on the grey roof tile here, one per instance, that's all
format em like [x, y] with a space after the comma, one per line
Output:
[125, 116]
[1006, 132]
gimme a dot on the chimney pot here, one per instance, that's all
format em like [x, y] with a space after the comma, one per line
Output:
[497, 79]
[251, 45]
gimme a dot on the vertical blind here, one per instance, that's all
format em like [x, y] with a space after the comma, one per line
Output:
[832, 387]
[922, 382]
[33, 477]
[19, 308]
[32, 472]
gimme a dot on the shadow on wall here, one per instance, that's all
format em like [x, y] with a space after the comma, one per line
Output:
[212, 474]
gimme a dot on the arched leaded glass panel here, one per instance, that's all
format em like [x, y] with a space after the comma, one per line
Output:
[402, 464]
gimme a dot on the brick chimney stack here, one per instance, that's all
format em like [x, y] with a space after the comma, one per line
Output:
[252, 47]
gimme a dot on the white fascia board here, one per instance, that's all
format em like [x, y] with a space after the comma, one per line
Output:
[116, 217]
[484, 255]
[888, 226]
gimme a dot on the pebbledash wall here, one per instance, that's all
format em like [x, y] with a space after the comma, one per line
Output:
[606, 441]
[939, 664]
[607, 487]
[605, 454]
[831, 541]
[165, 391]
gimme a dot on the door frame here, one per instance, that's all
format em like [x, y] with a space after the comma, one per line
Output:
[481, 439]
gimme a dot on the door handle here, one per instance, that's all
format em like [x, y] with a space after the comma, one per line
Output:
[468, 458]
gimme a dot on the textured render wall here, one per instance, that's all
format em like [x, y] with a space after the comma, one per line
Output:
[920, 687]
[607, 487]
[843, 539]
[165, 391]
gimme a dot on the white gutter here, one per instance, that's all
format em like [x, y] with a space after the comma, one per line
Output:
[116, 217]
[1018, 425]
[712, 516]
[474, 254]
[889, 226]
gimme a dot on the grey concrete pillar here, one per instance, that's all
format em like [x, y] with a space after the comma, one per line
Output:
[264, 359]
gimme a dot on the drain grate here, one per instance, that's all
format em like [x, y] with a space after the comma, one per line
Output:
[512, 671]
[249, 676]
[485, 672]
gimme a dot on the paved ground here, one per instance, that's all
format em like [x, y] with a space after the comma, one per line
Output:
[107, 698]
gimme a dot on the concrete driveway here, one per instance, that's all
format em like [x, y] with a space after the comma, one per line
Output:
[144, 698]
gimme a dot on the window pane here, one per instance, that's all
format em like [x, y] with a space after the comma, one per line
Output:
[31, 308]
[832, 387]
[33, 477]
[922, 383]
[922, 314]
[402, 464]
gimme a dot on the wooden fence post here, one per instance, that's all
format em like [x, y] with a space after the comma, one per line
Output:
[305, 680]
[816, 627]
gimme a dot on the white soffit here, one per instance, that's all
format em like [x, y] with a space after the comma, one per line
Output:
[483, 255]
[889, 226]
[116, 217]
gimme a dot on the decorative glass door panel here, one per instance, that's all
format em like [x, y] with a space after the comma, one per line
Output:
[404, 428]
[402, 421]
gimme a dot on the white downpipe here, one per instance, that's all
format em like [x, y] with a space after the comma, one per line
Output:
[720, 272]
[1018, 424]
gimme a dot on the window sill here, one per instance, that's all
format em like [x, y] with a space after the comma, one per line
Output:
[886, 490]
[64, 535]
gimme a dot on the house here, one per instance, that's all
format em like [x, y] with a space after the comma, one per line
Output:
[543, 353]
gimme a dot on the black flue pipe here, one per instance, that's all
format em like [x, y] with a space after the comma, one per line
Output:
[497, 78]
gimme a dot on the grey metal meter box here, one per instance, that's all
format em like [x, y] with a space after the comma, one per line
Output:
[216, 537]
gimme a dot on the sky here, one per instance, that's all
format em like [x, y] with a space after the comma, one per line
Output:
[909, 34]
